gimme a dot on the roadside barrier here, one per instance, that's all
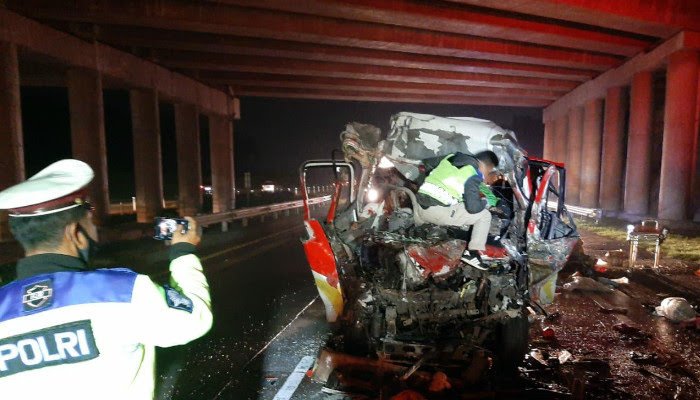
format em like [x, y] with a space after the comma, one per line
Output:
[593, 213]
[244, 214]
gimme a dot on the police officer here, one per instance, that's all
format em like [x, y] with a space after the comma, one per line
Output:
[68, 332]
[454, 194]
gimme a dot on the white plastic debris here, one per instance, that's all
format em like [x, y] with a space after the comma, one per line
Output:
[614, 282]
[539, 357]
[676, 309]
[564, 356]
[586, 284]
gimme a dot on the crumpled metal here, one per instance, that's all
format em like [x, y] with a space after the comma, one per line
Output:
[360, 142]
[546, 258]
[439, 259]
[419, 136]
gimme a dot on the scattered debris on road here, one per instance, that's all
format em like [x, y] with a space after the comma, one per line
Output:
[583, 283]
[676, 309]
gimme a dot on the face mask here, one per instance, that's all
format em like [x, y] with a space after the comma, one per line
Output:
[87, 253]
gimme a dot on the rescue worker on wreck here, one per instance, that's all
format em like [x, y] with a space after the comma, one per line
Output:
[454, 194]
[71, 332]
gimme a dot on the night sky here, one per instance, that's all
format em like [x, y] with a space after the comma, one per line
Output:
[273, 137]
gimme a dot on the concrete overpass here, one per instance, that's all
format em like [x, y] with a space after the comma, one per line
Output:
[618, 80]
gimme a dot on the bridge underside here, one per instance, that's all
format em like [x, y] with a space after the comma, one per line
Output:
[597, 68]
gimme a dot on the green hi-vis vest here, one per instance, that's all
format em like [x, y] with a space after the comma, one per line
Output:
[446, 182]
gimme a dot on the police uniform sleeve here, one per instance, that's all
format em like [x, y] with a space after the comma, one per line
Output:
[177, 313]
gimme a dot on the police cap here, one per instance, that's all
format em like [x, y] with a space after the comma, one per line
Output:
[58, 187]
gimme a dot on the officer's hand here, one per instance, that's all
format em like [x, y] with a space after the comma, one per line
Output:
[192, 236]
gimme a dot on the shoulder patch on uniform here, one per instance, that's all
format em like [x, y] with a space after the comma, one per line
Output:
[60, 344]
[37, 296]
[177, 300]
[62, 289]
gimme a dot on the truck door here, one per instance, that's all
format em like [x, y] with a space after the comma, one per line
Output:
[551, 231]
[340, 177]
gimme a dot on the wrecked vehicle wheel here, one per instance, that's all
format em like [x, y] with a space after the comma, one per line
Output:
[512, 339]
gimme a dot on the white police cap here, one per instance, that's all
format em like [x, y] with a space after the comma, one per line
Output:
[58, 187]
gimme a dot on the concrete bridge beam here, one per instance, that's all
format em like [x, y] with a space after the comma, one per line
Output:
[679, 140]
[148, 168]
[189, 165]
[613, 150]
[561, 126]
[548, 147]
[590, 152]
[11, 143]
[11, 140]
[222, 177]
[88, 132]
[638, 171]
[573, 155]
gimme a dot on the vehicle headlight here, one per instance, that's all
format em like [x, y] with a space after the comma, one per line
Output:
[372, 195]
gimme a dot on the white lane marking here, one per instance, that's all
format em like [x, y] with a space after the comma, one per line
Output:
[294, 379]
[267, 345]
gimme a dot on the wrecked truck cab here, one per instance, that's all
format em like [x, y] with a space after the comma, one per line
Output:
[394, 286]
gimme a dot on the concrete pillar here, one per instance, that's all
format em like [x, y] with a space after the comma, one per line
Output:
[11, 140]
[573, 157]
[548, 146]
[189, 165]
[148, 167]
[612, 166]
[560, 139]
[637, 173]
[11, 143]
[677, 153]
[88, 133]
[590, 152]
[222, 178]
[696, 177]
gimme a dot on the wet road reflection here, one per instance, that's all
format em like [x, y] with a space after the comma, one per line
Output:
[260, 282]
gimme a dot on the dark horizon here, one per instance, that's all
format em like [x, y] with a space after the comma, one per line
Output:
[273, 137]
[320, 122]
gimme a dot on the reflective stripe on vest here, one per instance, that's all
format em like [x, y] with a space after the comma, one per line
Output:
[446, 182]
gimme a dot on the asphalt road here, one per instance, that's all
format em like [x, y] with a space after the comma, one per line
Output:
[267, 318]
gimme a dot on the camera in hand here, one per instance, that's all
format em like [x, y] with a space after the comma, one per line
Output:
[165, 227]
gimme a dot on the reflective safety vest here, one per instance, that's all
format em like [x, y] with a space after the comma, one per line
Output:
[446, 182]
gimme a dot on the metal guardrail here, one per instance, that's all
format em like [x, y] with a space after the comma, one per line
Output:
[594, 213]
[128, 207]
[244, 213]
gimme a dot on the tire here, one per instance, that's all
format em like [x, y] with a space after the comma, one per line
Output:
[512, 343]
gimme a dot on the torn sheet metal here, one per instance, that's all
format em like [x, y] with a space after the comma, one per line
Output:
[550, 241]
[360, 142]
[440, 259]
[546, 259]
[420, 136]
